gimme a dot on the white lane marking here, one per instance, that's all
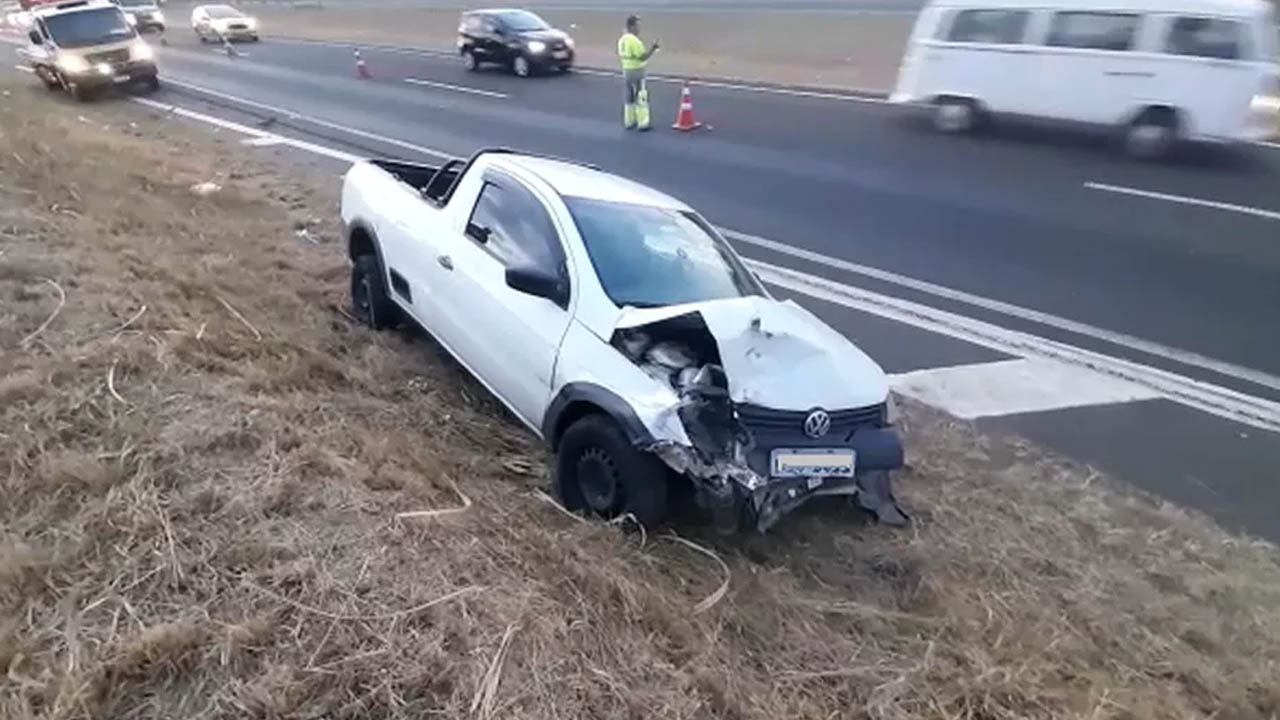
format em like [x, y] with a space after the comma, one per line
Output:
[456, 88]
[1184, 200]
[256, 136]
[312, 120]
[1214, 399]
[1220, 401]
[1013, 387]
[24, 68]
[262, 141]
[1183, 357]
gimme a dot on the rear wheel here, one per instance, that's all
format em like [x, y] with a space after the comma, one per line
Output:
[1152, 135]
[955, 115]
[369, 302]
[598, 469]
[521, 67]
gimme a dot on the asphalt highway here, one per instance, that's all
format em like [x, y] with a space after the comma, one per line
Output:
[1173, 268]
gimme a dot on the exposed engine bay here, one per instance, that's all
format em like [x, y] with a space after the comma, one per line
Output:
[725, 459]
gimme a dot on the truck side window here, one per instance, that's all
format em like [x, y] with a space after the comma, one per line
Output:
[997, 27]
[1094, 30]
[1205, 37]
[514, 227]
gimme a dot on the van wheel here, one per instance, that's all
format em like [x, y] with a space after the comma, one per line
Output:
[1152, 135]
[955, 115]
[598, 469]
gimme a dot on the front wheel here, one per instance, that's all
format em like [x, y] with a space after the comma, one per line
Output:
[469, 61]
[152, 84]
[955, 115]
[521, 66]
[369, 302]
[598, 469]
[1152, 135]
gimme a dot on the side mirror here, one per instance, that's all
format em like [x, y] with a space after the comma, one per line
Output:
[479, 233]
[538, 283]
[35, 37]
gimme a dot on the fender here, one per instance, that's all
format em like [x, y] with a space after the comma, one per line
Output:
[575, 399]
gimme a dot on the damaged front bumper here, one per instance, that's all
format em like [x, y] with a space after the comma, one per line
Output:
[738, 497]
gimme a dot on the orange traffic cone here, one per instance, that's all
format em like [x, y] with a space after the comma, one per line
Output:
[361, 70]
[684, 118]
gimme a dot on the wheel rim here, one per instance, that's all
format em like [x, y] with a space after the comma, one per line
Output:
[522, 67]
[598, 480]
[1148, 140]
[469, 61]
[954, 117]
[361, 304]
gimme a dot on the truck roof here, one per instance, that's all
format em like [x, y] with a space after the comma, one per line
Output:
[573, 180]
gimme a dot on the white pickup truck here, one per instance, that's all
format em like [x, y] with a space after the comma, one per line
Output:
[620, 327]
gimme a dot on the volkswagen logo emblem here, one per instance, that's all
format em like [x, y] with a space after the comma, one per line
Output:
[817, 423]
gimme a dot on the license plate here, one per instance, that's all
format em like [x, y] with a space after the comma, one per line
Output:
[120, 79]
[560, 54]
[812, 462]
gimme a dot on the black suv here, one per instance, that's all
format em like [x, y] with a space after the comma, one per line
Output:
[517, 39]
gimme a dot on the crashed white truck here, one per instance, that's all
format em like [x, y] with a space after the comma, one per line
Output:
[620, 327]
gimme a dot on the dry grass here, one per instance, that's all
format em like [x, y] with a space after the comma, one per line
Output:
[200, 502]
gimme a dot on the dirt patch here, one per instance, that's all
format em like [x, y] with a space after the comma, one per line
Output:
[202, 461]
[849, 51]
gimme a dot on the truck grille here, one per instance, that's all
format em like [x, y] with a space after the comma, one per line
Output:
[237, 26]
[843, 422]
[111, 56]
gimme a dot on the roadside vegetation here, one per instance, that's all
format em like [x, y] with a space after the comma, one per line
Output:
[203, 462]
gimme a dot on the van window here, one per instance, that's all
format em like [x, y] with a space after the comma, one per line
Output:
[1093, 30]
[1206, 37]
[1000, 27]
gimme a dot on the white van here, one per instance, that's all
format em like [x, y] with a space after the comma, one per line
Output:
[1160, 70]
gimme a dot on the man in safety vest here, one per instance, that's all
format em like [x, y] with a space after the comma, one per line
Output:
[634, 56]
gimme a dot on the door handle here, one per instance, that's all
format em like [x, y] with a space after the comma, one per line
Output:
[445, 261]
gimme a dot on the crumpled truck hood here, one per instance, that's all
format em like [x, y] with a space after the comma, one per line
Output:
[778, 355]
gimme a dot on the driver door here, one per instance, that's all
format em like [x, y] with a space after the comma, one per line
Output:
[506, 337]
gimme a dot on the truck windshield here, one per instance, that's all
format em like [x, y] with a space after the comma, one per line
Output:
[222, 12]
[522, 21]
[88, 27]
[652, 257]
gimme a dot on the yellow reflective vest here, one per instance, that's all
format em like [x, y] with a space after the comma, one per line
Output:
[631, 51]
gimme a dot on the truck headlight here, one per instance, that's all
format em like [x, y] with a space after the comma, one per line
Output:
[536, 46]
[142, 51]
[103, 68]
[72, 64]
[568, 41]
[157, 16]
[129, 17]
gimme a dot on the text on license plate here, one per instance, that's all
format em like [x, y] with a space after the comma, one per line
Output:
[812, 462]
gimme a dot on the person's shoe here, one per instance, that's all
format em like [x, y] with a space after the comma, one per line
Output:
[645, 128]
[628, 127]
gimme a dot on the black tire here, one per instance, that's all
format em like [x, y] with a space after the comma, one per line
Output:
[152, 84]
[598, 469]
[369, 301]
[79, 93]
[469, 61]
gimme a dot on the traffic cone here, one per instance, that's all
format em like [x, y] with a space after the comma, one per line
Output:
[361, 70]
[684, 118]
